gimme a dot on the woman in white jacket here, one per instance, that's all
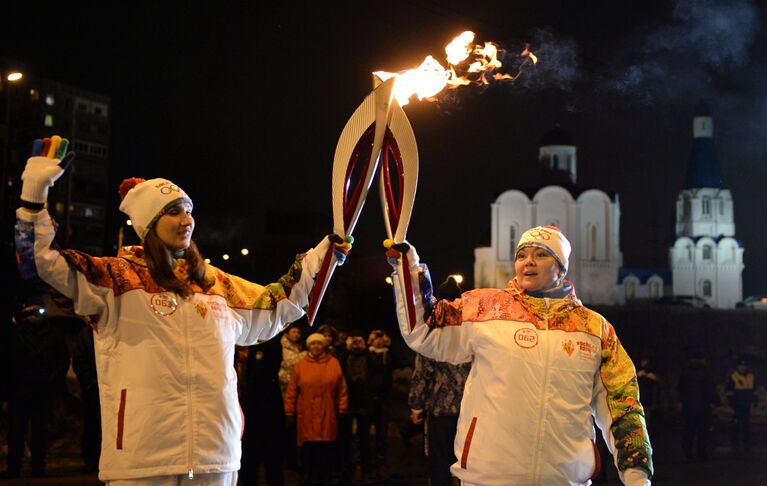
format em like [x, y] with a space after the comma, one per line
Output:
[165, 327]
[542, 366]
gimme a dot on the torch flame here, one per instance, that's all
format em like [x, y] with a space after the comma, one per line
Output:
[467, 64]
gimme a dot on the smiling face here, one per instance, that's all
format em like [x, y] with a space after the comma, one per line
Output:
[317, 348]
[536, 269]
[175, 227]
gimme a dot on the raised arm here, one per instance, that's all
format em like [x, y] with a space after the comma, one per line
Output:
[266, 310]
[438, 331]
[38, 258]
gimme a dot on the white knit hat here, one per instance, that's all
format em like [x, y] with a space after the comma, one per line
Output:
[316, 337]
[145, 201]
[551, 239]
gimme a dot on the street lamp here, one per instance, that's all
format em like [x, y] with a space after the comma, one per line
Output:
[7, 79]
[457, 277]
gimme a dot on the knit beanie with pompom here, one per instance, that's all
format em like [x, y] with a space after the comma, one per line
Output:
[145, 201]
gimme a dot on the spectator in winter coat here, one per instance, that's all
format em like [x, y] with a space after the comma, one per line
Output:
[436, 390]
[740, 389]
[292, 352]
[698, 394]
[264, 415]
[39, 362]
[357, 368]
[316, 395]
[380, 389]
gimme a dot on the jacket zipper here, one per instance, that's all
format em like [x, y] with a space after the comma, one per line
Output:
[542, 414]
[190, 441]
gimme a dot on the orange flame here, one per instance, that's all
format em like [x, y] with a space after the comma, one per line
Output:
[467, 64]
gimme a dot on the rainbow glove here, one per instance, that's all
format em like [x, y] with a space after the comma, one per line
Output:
[394, 251]
[341, 247]
[48, 162]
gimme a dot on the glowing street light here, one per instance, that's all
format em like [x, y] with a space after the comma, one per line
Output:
[226, 256]
[389, 281]
[458, 278]
[244, 251]
[129, 222]
[14, 76]
[207, 260]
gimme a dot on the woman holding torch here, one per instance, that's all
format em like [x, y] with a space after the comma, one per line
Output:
[543, 365]
[166, 324]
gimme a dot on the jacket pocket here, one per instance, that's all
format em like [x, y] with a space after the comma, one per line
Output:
[467, 443]
[121, 418]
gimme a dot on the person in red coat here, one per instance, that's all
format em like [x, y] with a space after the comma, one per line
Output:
[315, 396]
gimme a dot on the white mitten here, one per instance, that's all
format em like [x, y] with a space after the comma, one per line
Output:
[43, 169]
[39, 175]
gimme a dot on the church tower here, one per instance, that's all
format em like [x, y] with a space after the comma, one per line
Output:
[557, 157]
[706, 259]
[588, 217]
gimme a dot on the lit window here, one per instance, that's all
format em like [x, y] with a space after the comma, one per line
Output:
[88, 212]
[34, 94]
[50, 100]
[48, 121]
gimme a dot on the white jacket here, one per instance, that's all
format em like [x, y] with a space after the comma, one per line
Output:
[167, 381]
[541, 368]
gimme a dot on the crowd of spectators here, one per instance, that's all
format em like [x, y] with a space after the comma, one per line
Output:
[319, 401]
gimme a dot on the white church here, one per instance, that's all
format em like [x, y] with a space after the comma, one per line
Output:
[705, 260]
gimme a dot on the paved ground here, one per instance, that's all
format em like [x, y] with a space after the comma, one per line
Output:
[726, 466]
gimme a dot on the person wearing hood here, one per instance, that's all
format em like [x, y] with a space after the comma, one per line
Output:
[315, 397]
[543, 365]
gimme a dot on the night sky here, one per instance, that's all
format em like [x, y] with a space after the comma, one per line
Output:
[243, 105]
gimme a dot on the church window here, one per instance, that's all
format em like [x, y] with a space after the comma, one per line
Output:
[707, 288]
[686, 207]
[721, 208]
[546, 159]
[512, 242]
[569, 160]
[689, 252]
[706, 205]
[555, 164]
[707, 252]
[631, 289]
[593, 243]
[655, 289]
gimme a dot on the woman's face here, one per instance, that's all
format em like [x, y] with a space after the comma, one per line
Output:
[294, 335]
[317, 348]
[536, 269]
[175, 227]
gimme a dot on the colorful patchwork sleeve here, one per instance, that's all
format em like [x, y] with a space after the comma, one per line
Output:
[617, 408]
[266, 310]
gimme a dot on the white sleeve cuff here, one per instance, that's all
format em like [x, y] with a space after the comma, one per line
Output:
[635, 477]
